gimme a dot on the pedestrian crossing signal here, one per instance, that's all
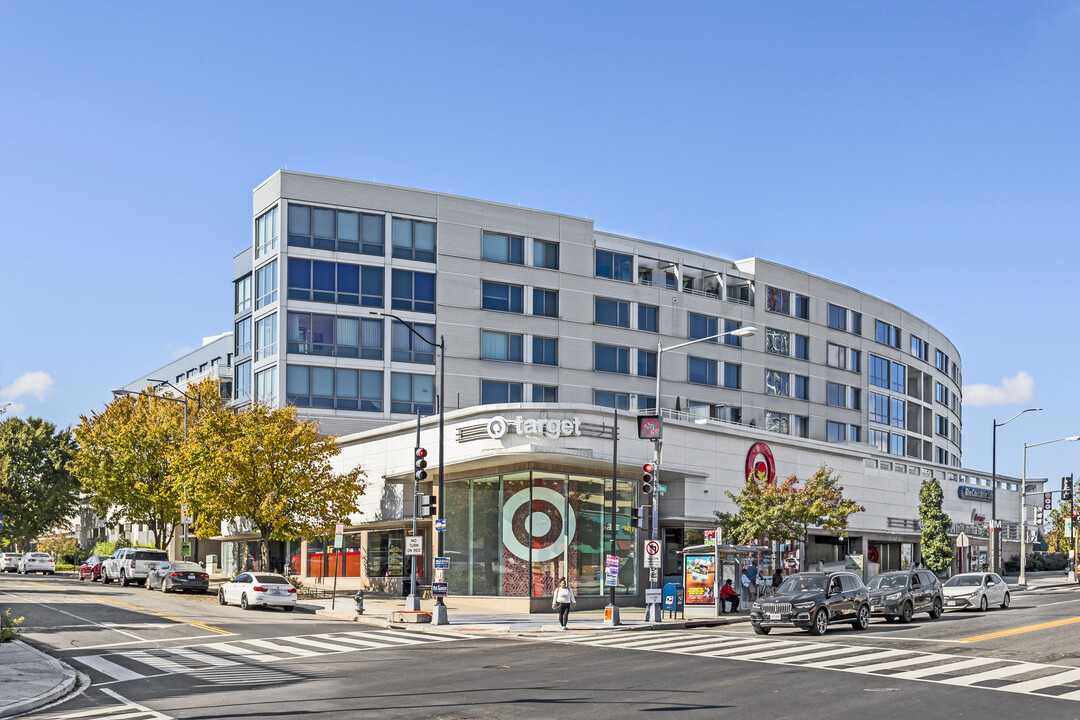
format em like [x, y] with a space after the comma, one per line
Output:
[641, 517]
[427, 505]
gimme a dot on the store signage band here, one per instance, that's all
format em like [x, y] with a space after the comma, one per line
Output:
[499, 427]
[972, 493]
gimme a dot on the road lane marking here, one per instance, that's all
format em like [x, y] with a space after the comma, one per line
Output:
[996, 674]
[944, 668]
[1046, 681]
[276, 647]
[1020, 630]
[119, 698]
[242, 652]
[108, 667]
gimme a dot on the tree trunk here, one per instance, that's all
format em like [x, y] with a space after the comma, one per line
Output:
[264, 545]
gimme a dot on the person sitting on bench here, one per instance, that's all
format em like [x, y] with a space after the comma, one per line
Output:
[727, 593]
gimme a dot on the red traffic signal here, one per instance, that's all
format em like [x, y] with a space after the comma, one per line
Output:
[421, 453]
[647, 470]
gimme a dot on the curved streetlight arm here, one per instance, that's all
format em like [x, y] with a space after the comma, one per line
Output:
[197, 399]
[159, 397]
[409, 325]
[999, 424]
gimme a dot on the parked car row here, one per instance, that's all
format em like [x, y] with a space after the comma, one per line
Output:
[147, 567]
[815, 600]
[30, 562]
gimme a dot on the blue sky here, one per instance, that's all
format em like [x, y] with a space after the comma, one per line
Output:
[923, 152]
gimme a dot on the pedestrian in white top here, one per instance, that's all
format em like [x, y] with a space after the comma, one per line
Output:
[564, 598]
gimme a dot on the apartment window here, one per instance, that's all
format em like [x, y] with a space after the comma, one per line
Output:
[493, 392]
[407, 347]
[896, 444]
[834, 394]
[545, 393]
[941, 456]
[702, 326]
[855, 398]
[311, 334]
[919, 348]
[739, 292]
[610, 358]
[670, 280]
[887, 334]
[802, 387]
[941, 394]
[339, 283]
[607, 398]
[835, 432]
[777, 383]
[412, 291]
[777, 342]
[612, 312]
[646, 363]
[899, 377]
[339, 230]
[545, 351]
[644, 275]
[242, 338]
[855, 361]
[778, 301]
[941, 361]
[837, 356]
[500, 346]
[879, 371]
[266, 285]
[334, 388]
[941, 425]
[648, 318]
[802, 308]
[734, 340]
[878, 439]
[732, 376]
[614, 266]
[503, 248]
[688, 284]
[802, 347]
[413, 239]
[266, 337]
[853, 433]
[243, 295]
[502, 297]
[897, 417]
[412, 394]
[646, 403]
[701, 371]
[266, 387]
[777, 422]
[800, 426]
[837, 317]
[546, 254]
[266, 233]
[545, 302]
[242, 381]
[878, 406]
[856, 323]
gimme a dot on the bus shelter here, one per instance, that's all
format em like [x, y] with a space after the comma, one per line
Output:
[706, 567]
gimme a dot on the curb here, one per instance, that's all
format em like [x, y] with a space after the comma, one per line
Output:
[65, 686]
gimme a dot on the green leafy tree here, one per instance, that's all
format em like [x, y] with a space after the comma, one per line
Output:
[38, 490]
[937, 549]
[786, 511]
[63, 548]
[270, 467]
[125, 458]
[1056, 539]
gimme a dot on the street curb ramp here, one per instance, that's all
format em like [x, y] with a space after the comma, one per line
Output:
[68, 682]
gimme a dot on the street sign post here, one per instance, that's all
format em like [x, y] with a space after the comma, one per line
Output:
[442, 563]
[611, 570]
[1047, 499]
[339, 535]
[185, 549]
[440, 525]
[414, 545]
[653, 558]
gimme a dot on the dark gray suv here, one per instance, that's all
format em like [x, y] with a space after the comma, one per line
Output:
[899, 595]
[812, 601]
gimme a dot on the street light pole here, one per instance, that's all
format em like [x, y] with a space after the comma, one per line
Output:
[653, 610]
[995, 531]
[1023, 506]
[438, 615]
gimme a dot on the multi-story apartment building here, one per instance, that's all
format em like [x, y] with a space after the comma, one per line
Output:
[545, 317]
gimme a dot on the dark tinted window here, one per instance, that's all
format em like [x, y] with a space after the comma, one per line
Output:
[928, 578]
[850, 582]
[185, 567]
[271, 579]
[157, 555]
[245, 578]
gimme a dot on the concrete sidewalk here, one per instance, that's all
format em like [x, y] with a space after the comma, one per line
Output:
[30, 679]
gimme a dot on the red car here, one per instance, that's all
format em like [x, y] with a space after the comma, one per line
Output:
[91, 568]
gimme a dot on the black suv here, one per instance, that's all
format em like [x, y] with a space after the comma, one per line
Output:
[902, 594]
[811, 601]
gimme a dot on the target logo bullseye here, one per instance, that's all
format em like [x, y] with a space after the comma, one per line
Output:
[760, 462]
[538, 516]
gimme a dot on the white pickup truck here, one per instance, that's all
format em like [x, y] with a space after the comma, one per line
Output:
[129, 565]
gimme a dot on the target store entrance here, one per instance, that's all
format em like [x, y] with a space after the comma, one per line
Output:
[515, 535]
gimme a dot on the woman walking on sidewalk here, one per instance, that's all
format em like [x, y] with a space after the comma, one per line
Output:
[564, 598]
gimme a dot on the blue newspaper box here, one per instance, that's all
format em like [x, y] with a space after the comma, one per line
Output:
[673, 598]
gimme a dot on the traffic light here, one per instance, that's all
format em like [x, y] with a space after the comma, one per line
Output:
[419, 472]
[648, 471]
[1066, 488]
[427, 505]
[1038, 516]
[641, 517]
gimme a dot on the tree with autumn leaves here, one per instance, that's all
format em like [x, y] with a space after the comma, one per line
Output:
[270, 467]
[787, 510]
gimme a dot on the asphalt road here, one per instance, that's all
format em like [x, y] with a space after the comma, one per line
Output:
[154, 656]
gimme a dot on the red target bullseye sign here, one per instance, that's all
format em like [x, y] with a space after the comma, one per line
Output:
[759, 461]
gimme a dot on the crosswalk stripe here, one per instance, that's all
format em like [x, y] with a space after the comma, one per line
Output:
[944, 668]
[204, 658]
[386, 635]
[903, 662]
[332, 647]
[300, 652]
[107, 667]
[231, 649]
[996, 674]
[701, 648]
[773, 648]
[1046, 681]
[819, 653]
[159, 663]
[646, 642]
[879, 655]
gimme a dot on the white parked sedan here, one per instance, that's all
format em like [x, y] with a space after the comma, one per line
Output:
[975, 590]
[251, 589]
[37, 562]
[9, 562]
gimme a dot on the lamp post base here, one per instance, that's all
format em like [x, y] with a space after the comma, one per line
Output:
[412, 603]
[438, 615]
[653, 613]
[611, 615]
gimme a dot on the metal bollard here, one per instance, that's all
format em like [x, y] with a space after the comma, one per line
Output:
[359, 598]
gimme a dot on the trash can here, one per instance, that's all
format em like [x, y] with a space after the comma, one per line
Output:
[673, 599]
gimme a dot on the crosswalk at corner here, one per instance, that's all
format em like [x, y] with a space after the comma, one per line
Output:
[986, 673]
[120, 711]
[245, 661]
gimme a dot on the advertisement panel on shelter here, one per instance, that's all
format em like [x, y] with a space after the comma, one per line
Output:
[698, 577]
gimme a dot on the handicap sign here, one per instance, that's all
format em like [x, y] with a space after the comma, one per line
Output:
[440, 525]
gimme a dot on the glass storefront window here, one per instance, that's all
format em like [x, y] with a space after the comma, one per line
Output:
[385, 555]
